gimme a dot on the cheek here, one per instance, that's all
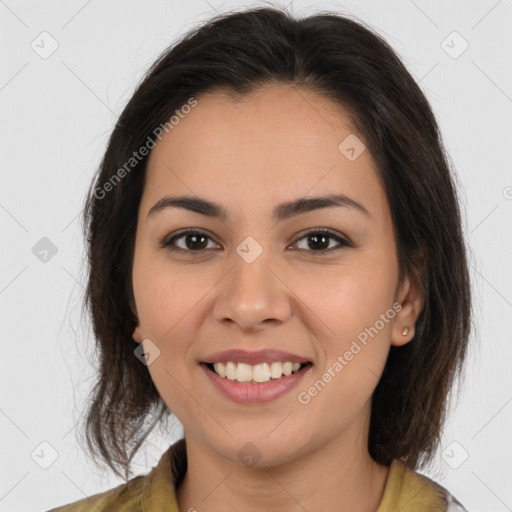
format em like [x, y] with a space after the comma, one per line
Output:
[357, 308]
[171, 379]
[339, 396]
[169, 308]
[353, 360]
[353, 299]
[165, 297]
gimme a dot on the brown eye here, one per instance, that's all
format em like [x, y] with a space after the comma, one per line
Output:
[318, 241]
[194, 241]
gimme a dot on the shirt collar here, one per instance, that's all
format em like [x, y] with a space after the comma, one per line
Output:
[403, 486]
[161, 483]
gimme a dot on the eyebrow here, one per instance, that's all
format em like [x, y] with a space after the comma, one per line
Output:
[281, 212]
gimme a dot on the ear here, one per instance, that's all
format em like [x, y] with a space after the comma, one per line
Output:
[410, 296]
[137, 335]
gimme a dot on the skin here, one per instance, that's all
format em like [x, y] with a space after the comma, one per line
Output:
[250, 154]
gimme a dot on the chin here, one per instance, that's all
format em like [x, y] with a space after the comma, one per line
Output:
[261, 451]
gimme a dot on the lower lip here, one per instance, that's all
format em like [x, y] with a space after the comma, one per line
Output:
[254, 393]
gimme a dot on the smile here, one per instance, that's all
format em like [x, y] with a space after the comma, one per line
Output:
[251, 391]
[263, 372]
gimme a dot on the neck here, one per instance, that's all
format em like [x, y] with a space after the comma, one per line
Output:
[340, 475]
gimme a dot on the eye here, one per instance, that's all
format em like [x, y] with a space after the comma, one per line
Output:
[197, 241]
[320, 237]
[194, 241]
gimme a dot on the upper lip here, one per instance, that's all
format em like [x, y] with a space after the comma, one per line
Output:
[253, 358]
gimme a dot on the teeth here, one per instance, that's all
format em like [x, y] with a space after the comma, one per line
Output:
[260, 373]
[243, 372]
[263, 372]
[230, 370]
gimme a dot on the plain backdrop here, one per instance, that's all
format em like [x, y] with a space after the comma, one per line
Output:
[67, 70]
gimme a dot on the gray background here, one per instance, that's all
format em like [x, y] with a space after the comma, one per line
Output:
[56, 115]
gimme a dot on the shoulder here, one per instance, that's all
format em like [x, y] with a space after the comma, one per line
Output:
[409, 490]
[152, 491]
[123, 498]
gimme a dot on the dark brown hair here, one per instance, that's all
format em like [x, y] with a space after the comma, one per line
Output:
[350, 64]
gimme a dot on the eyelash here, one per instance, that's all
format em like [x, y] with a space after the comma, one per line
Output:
[168, 243]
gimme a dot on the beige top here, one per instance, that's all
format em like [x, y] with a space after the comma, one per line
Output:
[405, 490]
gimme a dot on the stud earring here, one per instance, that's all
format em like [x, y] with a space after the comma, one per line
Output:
[405, 330]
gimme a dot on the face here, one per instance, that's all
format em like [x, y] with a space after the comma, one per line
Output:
[263, 279]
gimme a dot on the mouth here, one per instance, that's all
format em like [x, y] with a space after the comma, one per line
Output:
[251, 377]
[256, 374]
[255, 384]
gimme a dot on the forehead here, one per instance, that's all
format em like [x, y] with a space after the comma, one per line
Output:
[274, 144]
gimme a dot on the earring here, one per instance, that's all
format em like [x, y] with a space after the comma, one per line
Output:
[405, 330]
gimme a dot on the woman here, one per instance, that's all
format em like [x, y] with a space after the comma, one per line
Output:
[276, 258]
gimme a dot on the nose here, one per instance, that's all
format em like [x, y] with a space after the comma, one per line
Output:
[253, 295]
